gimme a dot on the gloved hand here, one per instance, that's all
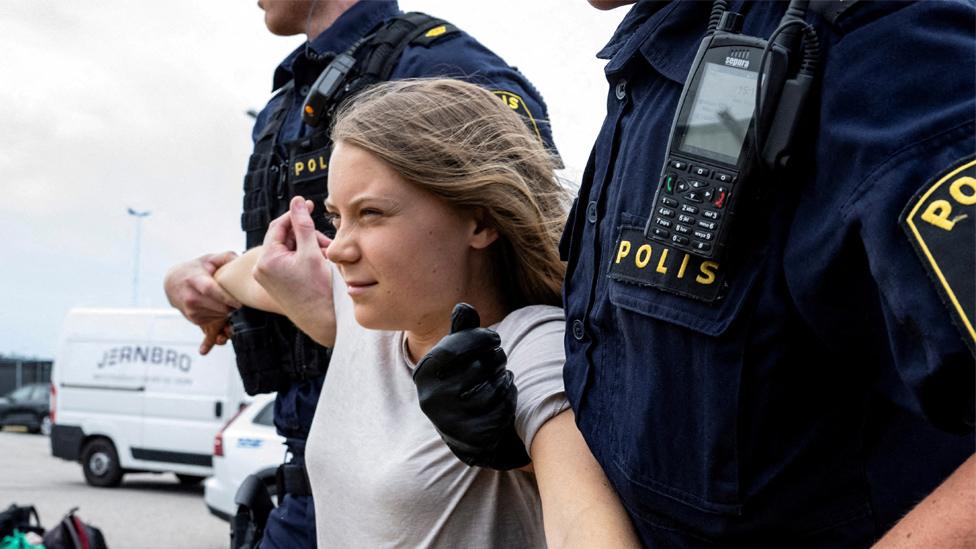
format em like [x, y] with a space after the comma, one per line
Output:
[469, 396]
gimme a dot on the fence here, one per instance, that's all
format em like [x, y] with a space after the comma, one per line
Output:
[16, 372]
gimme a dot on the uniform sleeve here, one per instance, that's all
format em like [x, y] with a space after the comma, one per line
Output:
[536, 358]
[461, 56]
[914, 105]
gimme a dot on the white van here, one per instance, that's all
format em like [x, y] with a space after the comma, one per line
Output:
[131, 393]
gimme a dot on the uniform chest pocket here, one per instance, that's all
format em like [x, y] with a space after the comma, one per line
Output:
[677, 370]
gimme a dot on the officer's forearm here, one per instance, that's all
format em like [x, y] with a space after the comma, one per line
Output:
[946, 518]
[236, 279]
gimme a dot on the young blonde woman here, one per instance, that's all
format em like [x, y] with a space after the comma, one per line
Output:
[439, 195]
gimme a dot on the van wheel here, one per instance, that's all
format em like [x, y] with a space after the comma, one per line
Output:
[100, 462]
[188, 480]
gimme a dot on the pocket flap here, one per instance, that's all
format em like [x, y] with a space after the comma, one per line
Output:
[673, 286]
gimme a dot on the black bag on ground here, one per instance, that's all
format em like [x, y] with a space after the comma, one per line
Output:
[72, 533]
[18, 517]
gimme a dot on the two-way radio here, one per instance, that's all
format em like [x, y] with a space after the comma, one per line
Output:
[737, 115]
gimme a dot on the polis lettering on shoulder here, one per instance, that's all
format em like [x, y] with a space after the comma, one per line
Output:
[515, 102]
[940, 221]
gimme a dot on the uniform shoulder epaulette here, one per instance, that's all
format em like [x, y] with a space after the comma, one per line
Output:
[437, 30]
[387, 43]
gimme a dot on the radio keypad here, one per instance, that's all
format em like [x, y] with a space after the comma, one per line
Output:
[668, 182]
[721, 194]
[695, 203]
[722, 177]
[678, 165]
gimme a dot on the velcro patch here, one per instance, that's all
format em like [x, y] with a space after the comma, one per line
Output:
[941, 223]
[639, 261]
[313, 165]
[517, 104]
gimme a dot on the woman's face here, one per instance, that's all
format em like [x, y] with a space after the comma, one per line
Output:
[403, 253]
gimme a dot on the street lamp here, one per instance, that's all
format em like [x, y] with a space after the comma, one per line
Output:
[135, 266]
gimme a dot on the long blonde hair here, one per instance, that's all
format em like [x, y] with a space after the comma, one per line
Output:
[461, 143]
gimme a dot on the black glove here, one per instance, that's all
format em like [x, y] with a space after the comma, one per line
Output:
[469, 396]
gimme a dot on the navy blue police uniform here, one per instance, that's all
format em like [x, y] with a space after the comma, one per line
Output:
[830, 387]
[443, 51]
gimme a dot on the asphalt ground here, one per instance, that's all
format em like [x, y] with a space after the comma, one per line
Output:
[146, 511]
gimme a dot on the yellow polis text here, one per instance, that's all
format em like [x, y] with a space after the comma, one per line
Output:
[659, 259]
[311, 165]
[939, 212]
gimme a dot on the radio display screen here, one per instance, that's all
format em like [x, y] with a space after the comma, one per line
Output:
[720, 115]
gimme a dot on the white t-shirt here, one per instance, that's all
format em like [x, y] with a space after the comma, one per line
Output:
[380, 474]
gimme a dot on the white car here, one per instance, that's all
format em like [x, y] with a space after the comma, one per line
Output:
[247, 444]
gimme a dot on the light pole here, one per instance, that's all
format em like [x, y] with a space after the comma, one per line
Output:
[135, 266]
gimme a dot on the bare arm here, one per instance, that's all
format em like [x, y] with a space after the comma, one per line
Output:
[236, 279]
[295, 273]
[579, 507]
[946, 518]
[288, 275]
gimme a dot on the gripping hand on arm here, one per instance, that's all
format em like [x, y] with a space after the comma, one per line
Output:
[468, 394]
[295, 273]
[191, 287]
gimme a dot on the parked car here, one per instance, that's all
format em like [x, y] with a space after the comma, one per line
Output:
[131, 393]
[28, 406]
[248, 444]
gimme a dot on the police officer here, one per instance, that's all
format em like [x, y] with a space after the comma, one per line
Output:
[830, 387]
[291, 158]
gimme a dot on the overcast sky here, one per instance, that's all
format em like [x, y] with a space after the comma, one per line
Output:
[114, 104]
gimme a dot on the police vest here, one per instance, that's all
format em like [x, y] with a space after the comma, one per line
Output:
[270, 350]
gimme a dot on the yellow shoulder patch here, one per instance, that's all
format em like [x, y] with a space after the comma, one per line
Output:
[941, 223]
[517, 104]
[436, 31]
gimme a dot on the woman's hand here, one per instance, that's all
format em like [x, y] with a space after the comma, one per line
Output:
[295, 273]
